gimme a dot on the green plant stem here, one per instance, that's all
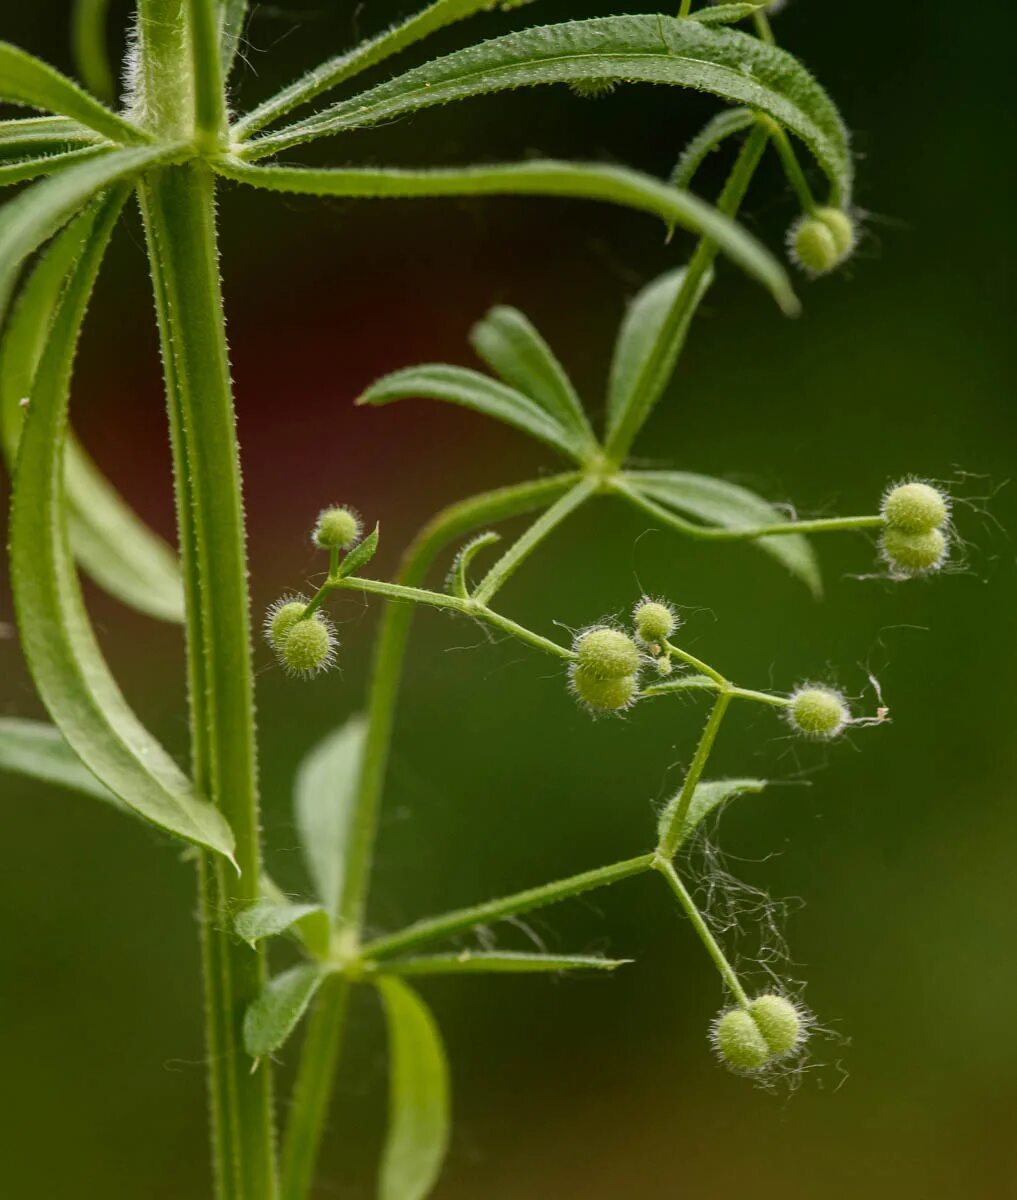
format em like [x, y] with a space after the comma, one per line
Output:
[672, 835]
[622, 487]
[432, 928]
[762, 23]
[206, 65]
[685, 657]
[789, 160]
[521, 549]
[178, 209]
[728, 974]
[88, 37]
[308, 1114]
[620, 441]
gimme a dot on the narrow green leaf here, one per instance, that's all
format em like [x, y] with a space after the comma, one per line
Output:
[458, 582]
[729, 506]
[470, 389]
[37, 750]
[44, 135]
[720, 127]
[108, 540]
[27, 80]
[614, 185]
[360, 555]
[275, 1014]
[725, 14]
[418, 1122]
[19, 169]
[35, 214]
[645, 323]
[234, 13]
[735, 66]
[469, 962]
[88, 37]
[314, 932]
[324, 794]
[57, 639]
[705, 799]
[341, 67]
[512, 347]
[269, 918]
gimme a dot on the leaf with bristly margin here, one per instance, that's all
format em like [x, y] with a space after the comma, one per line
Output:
[109, 541]
[733, 65]
[360, 556]
[419, 1106]
[725, 14]
[19, 169]
[639, 371]
[269, 918]
[27, 80]
[470, 962]
[37, 750]
[730, 506]
[271, 1018]
[458, 580]
[513, 348]
[470, 389]
[705, 799]
[720, 127]
[612, 185]
[57, 639]
[44, 135]
[324, 794]
[311, 930]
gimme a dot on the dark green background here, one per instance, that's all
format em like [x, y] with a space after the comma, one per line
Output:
[901, 850]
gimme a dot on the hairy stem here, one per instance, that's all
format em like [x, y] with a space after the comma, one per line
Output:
[672, 834]
[178, 208]
[318, 1061]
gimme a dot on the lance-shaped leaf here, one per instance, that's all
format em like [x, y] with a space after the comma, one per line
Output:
[720, 127]
[729, 507]
[44, 135]
[323, 798]
[418, 1119]
[268, 918]
[613, 185]
[476, 962]
[57, 639]
[733, 65]
[19, 169]
[27, 80]
[341, 67]
[705, 799]
[470, 389]
[360, 556]
[37, 750]
[725, 14]
[276, 1013]
[512, 347]
[110, 542]
[458, 580]
[633, 388]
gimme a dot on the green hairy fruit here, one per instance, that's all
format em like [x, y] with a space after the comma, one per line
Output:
[910, 554]
[818, 712]
[337, 528]
[915, 508]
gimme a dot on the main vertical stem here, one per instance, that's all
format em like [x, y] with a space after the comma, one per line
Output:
[179, 213]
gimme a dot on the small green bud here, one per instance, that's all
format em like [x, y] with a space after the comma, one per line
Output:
[823, 240]
[664, 665]
[654, 620]
[337, 528]
[779, 1022]
[604, 695]
[308, 646]
[281, 616]
[739, 1040]
[818, 712]
[606, 653]
[909, 554]
[915, 507]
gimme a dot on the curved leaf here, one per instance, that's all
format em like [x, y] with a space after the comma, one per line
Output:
[268, 918]
[512, 347]
[478, 962]
[470, 389]
[724, 125]
[38, 751]
[706, 798]
[458, 579]
[735, 66]
[731, 507]
[418, 1120]
[25, 79]
[646, 320]
[108, 539]
[726, 14]
[323, 799]
[58, 642]
[614, 185]
[275, 1014]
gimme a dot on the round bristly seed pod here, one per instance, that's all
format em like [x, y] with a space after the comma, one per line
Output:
[818, 712]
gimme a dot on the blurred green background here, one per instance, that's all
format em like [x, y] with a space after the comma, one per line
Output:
[898, 855]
